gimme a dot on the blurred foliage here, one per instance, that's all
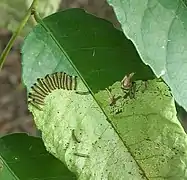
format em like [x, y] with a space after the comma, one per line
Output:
[45, 7]
[12, 12]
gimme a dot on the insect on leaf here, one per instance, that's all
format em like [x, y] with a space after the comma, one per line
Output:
[141, 137]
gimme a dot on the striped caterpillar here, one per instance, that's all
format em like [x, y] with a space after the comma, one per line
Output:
[44, 86]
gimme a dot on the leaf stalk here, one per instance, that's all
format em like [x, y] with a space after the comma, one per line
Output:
[16, 33]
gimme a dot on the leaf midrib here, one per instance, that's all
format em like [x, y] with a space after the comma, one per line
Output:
[50, 32]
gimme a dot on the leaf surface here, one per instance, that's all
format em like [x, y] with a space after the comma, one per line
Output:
[73, 37]
[132, 139]
[137, 138]
[25, 157]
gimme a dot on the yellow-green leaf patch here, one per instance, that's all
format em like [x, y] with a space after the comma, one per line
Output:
[134, 138]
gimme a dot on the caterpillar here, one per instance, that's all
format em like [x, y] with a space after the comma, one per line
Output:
[81, 155]
[44, 86]
[75, 137]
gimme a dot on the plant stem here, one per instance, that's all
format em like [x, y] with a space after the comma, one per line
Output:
[17, 32]
[37, 17]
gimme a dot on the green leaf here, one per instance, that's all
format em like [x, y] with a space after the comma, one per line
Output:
[149, 128]
[158, 30]
[100, 52]
[144, 140]
[25, 157]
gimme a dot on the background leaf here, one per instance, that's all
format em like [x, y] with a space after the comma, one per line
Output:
[25, 157]
[158, 30]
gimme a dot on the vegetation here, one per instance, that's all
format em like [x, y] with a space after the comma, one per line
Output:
[105, 104]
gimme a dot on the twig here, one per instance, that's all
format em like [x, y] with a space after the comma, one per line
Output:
[17, 32]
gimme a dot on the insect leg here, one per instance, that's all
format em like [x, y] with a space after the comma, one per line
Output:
[132, 90]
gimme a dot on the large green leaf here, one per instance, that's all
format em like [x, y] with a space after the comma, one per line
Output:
[134, 139]
[137, 138]
[24, 157]
[158, 30]
[101, 53]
